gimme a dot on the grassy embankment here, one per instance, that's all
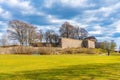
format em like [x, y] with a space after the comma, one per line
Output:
[59, 67]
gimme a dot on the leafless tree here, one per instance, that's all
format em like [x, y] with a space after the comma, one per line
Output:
[51, 36]
[81, 33]
[55, 38]
[4, 40]
[67, 30]
[48, 36]
[40, 35]
[24, 33]
[108, 46]
[31, 34]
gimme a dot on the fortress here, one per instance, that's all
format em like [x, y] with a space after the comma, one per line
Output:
[73, 43]
[88, 42]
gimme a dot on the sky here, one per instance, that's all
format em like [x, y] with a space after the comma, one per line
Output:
[101, 18]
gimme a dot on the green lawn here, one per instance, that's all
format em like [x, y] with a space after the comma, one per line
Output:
[59, 67]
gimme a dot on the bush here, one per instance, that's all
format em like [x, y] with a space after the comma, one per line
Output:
[46, 50]
[52, 50]
[22, 50]
[91, 51]
[75, 50]
[81, 51]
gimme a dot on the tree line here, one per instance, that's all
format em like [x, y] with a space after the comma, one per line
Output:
[26, 33]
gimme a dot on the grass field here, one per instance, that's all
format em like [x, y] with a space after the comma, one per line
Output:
[59, 67]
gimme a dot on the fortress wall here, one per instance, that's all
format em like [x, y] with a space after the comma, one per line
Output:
[91, 44]
[70, 43]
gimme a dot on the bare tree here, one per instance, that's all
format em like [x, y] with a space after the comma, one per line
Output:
[40, 35]
[108, 46]
[81, 33]
[67, 30]
[55, 38]
[48, 36]
[31, 34]
[51, 36]
[4, 40]
[22, 32]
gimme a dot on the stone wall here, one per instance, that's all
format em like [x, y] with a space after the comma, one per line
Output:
[64, 43]
[5, 50]
[91, 44]
[70, 43]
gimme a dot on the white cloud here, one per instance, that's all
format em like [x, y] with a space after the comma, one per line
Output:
[96, 30]
[49, 3]
[3, 25]
[105, 10]
[54, 20]
[91, 19]
[74, 3]
[1, 34]
[24, 6]
[70, 3]
[116, 26]
[21, 4]
[1, 1]
[4, 14]
[47, 27]
[117, 40]
[75, 23]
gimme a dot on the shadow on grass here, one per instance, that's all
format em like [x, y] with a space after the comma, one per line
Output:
[78, 72]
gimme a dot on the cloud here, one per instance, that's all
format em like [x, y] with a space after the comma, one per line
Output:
[97, 30]
[19, 4]
[102, 13]
[70, 3]
[59, 22]
[4, 14]
[3, 26]
[116, 26]
[23, 6]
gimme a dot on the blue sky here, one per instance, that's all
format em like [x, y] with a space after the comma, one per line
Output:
[100, 17]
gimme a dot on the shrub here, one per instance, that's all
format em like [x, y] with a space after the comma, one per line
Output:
[46, 50]
[22, 50]
[94, 51]
[81, 51]
[91, 51]
[67, 51]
